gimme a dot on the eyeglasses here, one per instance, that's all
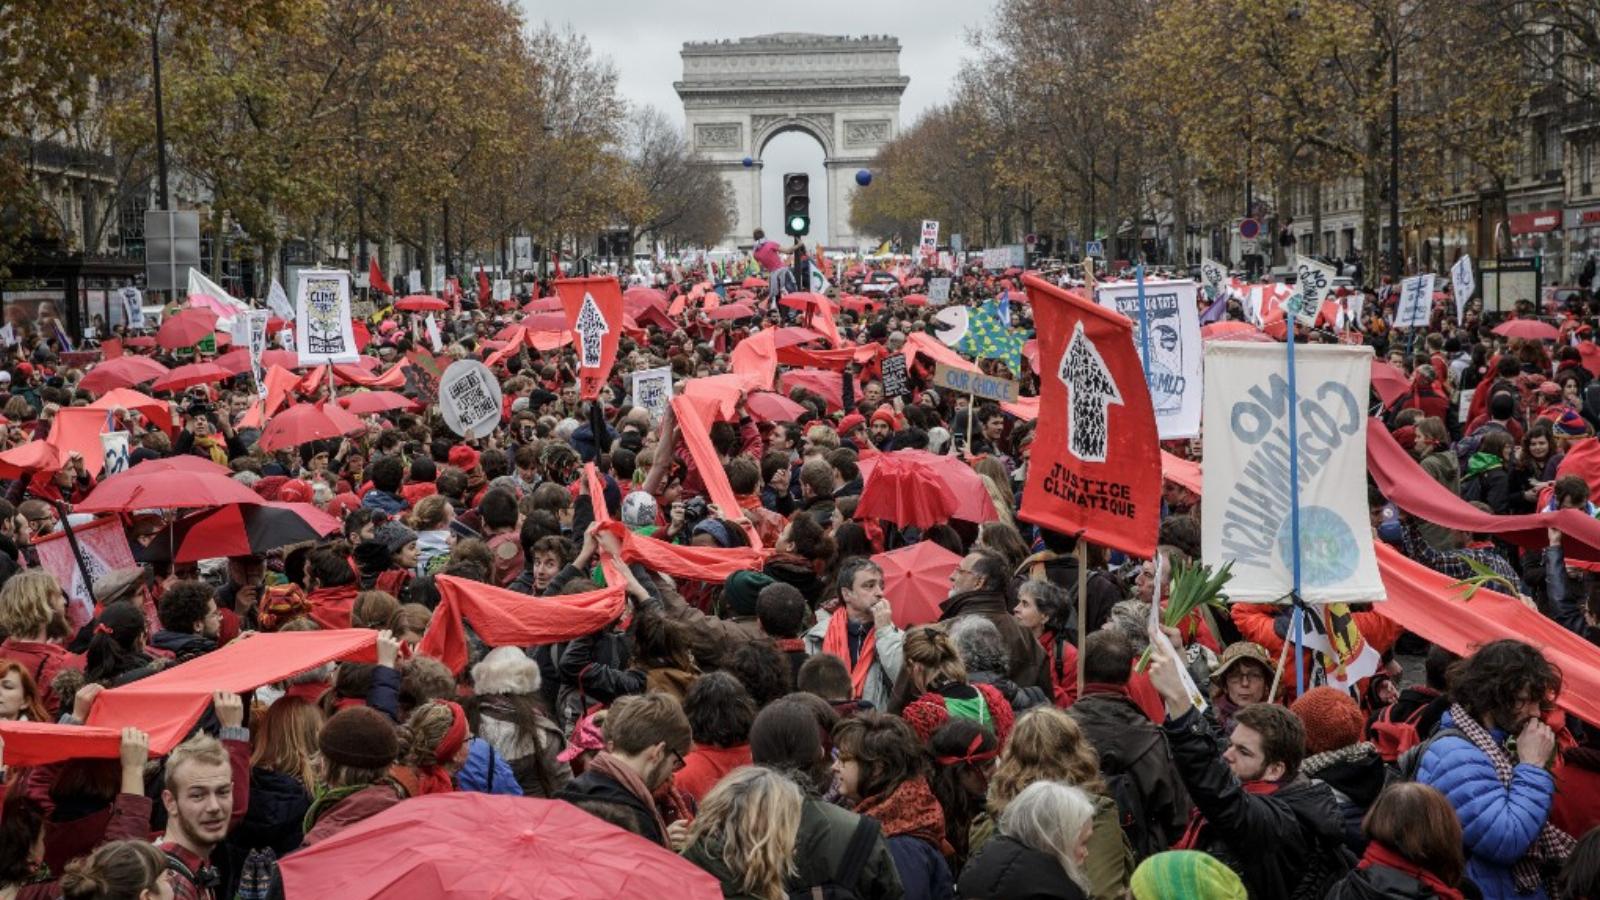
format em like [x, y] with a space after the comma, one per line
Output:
[678, 761]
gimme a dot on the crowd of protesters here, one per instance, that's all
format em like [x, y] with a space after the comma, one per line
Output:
[777, 728]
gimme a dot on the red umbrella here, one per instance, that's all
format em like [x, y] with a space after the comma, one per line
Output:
[730, 312]
[545, 322]
[25, 459]
[285, 358]
[905, 493]
[142, 487]
[1390, 383]
[1225, 329]
[143, 341]
[804, 300]
[240, 530]
[124, 371]
[543, 304]
[306, 423]
[915, 299]
[912, 282]
[370, 402]
[792, 335]
[916, 580]
[767, 406]
[421, 303]
[972, 498]
[186, 328]
[236, 361]
[463, 844]
[753, 282]
[1527, 329]
[639, 296]
[192, 374]
[187, 464]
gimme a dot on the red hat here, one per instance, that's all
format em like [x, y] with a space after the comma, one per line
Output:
[294, 491]
[1406, 436]
[343, 504]
[1331, 718]
[463, 457]
[885, 414]
[851, 423]
[24, 369]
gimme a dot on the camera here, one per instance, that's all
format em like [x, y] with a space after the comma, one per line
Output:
[695, 509]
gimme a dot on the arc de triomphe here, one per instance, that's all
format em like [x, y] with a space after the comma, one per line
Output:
[843, 91]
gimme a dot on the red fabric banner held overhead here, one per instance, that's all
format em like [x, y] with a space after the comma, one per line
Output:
[594, 316]
[506, 618]
[1096, 468]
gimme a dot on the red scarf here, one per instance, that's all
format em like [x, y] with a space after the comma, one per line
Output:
[1379, 855]
[1191, 832]
[330, 606]
[836, 642]
[910, 809]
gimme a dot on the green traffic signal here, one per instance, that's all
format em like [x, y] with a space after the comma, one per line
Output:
[798, 225]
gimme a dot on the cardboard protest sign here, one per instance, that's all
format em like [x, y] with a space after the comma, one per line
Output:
[104, 548]
[1416, 302]
[114, 447]
[323, 325]
[1249, 520]
[939, 291]
[1462, 284]
[469, 398]
[965, 381]
[1096, 467]
[1174, 370]
[256, 339]
[594, 315]
[652, 389]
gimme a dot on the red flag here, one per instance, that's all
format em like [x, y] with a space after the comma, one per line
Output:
[1096, 467]
[594, 316]
[375, 278]
[485, 294]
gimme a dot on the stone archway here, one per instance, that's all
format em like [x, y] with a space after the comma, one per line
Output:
[843, 91]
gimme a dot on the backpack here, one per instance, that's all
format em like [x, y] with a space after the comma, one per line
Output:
[256, 875]
[842, 886]
[1407, 766]
[1131, 813]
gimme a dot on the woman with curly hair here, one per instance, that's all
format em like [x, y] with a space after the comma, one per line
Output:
[940, 678]
[433, 747]
[881, 767]
[1047, 745]
[746, 831]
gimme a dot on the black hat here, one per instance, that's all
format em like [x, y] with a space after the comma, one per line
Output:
[359, 737]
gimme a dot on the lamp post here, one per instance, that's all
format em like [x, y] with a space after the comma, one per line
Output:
[1395, 263]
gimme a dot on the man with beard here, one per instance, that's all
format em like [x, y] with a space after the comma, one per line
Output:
[207, 783]
[647, 737]
[33, 616]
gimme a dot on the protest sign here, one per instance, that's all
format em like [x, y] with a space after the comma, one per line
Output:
[424, 374]
[256, 340]
[939, 291]
[1213, 277]
[962, 381]
[278, 301]
[1096, 463]
[929, 245]
[323, 332]
[502, 290]
[652, 389]
[594, 316]
[1251, 517]
[1462, 284]
[1173, 373]
[895, 382]
[103, 548]
[1008, 256]
[433, 333]
[1313, 284]
[1416, 302]
[114, 448]
[132, 307]
[469, 398]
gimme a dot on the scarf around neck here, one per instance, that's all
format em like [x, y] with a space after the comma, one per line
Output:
[604, 763]
[836, 642]
[910, 810]
[1379, 855]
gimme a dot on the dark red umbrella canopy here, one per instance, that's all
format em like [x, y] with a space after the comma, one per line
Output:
[369, 402]
[966, 486]
[768, 406]
[730, 311]
[190, 375]
[1527, 329]
[186, 328]
[124, 371]
[905, 493]
[916, 581]
[180, 484]
[306, 423]
[249, 530]
[421, 303]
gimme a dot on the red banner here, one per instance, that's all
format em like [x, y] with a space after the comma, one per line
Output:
[1096, 468]
[375, 279]
[506, 618]
[594, 316]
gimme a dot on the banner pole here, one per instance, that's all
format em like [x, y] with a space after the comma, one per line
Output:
[1294, 510]
[1144, 329]
[971, 400]
[1083, 602]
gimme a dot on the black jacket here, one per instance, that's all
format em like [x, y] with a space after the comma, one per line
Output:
[1274, 841]
[1357, 775]
[1062, 571]
[184, 646]
[1007, 869]
[1129, 743]
[1027, 663]
[1383, 883]
[592, 785]
[278, 805]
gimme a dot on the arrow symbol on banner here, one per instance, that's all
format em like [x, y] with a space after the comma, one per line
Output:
[592, 329]
[1093, 392]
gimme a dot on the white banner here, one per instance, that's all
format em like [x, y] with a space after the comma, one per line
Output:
[278, 301]
[1011, 255]
[1313, 284]
[652, 389]
[1416, 302]
[929, 245]
[469, 398]
[132, 307]
[114, 444]
[207, 294]
[939, 291]
[322, 318]
[501, 290]
[433, 333]
[414, 282]
[1462, 284]
[256, 338]
[1173, 370]
[1248, 519]
[1213, 277]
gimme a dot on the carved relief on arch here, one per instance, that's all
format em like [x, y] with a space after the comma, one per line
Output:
[818, 125]
[718, 136]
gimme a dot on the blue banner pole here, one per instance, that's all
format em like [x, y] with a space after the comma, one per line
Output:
[1144, 324]
[1294, 511]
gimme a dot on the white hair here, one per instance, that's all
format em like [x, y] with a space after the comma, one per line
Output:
[938, 439]
[505, 670]
[248, 479]
[564, 429]
[1048, 816]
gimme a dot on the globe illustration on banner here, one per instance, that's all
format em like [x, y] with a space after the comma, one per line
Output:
[1328, 551]
[863, 177]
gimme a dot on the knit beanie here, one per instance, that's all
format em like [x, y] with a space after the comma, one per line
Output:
[1185, 875]
[359, 737]
[741, 590]
[393, 536]
[1331, 718]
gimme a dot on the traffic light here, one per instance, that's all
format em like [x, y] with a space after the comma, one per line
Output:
[797, 204]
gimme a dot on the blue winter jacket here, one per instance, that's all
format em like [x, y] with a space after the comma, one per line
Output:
[486, 771]
[1498, 823]
[923, 872]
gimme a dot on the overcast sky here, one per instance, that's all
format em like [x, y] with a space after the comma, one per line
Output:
[643, 39]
